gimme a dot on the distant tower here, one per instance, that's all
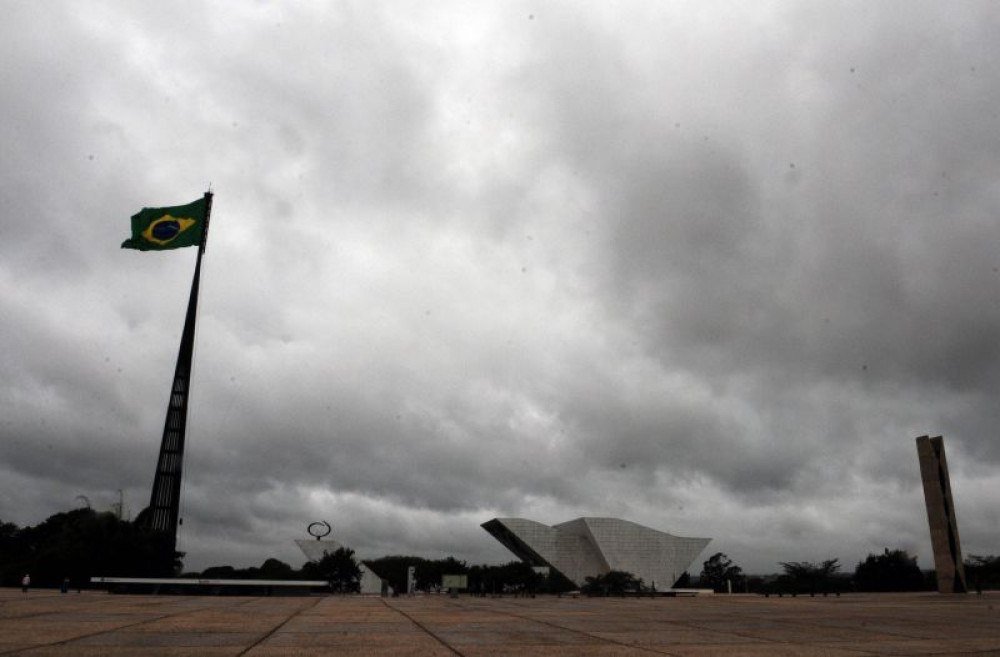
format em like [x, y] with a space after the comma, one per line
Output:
[941, 515]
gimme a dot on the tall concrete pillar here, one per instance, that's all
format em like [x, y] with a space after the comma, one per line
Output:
[941, 515]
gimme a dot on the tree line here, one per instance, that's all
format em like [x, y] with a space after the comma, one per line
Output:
[892, 570]
[514, 577]
[81, 543]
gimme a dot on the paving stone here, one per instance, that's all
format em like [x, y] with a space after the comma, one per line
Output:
[91, 624]
[173, 639]
[132, 651]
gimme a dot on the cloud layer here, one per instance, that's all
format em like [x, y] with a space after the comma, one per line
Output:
[710, 268]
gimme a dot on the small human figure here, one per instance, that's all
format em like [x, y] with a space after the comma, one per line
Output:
[25, 582]
[65, 585]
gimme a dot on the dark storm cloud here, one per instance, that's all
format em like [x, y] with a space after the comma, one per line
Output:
[708, 268]
[833, 278]
[866, 271]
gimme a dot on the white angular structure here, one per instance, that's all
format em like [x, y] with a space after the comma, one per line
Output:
[587, 547]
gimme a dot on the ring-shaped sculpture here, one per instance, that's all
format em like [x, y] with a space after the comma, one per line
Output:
[319, 533]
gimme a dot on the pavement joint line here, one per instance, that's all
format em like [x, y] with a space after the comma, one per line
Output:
[423, 627]
[4, 603]
[866, 628]
[115, 629]
[26, 598]
[813, 625]
[765, 618]
[278, 627]
[570, 629]
[23, 616]
[50, 612]
[861, 652]
[28, 615]
[761, 617]
[797, 644]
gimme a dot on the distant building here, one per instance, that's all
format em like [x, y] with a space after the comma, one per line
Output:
[587, 547]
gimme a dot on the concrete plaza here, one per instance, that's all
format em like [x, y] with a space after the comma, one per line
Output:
[49, 623]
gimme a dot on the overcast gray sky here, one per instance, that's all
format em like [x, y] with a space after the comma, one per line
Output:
[707, 266]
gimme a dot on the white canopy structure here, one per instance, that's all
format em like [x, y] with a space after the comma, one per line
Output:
[587, 547]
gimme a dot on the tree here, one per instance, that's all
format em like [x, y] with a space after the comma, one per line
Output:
[806, 577]
[614, 582]
[983, 572]
[275, 569]
[513, 577]
[219, 572]
[556, 582]
[717, 570]
[428, 573]
[82, 543]
[339, 568]
[891, 571]
[394, 568]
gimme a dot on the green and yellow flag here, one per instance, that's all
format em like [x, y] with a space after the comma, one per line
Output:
[157, 229]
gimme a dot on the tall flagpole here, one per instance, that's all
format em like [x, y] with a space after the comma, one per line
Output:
[164, 502]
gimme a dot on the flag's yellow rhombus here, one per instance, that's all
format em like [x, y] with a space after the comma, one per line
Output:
[164, 230]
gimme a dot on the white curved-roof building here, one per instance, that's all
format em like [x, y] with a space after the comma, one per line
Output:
[587, 547]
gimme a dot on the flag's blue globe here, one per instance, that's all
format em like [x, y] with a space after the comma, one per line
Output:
[166, 230]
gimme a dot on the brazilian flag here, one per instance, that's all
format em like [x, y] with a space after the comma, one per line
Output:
[157, 229]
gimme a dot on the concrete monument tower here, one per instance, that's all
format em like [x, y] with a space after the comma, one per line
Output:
[941, 515]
